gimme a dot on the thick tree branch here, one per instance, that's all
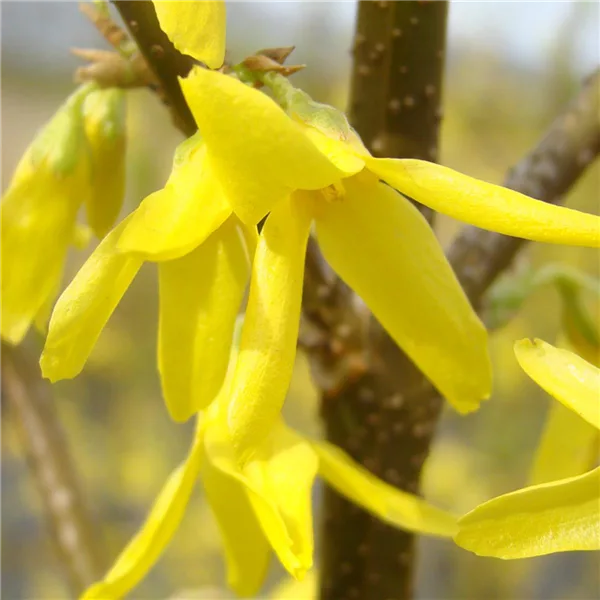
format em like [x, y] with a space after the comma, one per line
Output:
[160, 54]
[30, 403]
[378, 413]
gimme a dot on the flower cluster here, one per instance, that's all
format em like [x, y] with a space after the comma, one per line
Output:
[300, 165]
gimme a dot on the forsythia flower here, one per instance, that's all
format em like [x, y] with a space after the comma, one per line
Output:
[203, 272]
[552, 517]
[195, 27]
[39, 208]
[263, 504]
[267, 162]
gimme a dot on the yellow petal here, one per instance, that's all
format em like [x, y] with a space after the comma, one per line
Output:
[486, 205]
[338, 152]
[104, 120]
[200, 296]
[381, 246]
[258, 153]
[270, 331]
[278, 484]
[564, 375]
[390, 504]
[173, 221]
[568, 446]
[85, 306]
[38, 217]
[196, 28]
[283, 470]
[142, 552]
[554, 517]
[247, 550]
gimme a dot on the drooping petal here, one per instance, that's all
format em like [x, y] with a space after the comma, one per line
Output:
[270, 331]
[200, 296]
[85, 306]
[390, 504]
[195, 28]
[247, 550]
[564, 375]
[568, 446]
[284, 469]
[278, 482]
[554, 517]
[142, 552]
[38, 217]
[258, 153]
[486, 205]
[383, 248]
[173, 221]
[104, 120]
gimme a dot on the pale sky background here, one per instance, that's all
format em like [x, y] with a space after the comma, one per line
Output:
[522, 31]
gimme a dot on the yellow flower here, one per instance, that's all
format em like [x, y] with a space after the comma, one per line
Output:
[203, 273]
[267, 162]
[104, 121]
[264, 505]
[195, 27]
[39, 211]
[552, 517]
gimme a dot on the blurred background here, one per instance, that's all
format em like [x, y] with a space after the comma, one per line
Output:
[510, 69]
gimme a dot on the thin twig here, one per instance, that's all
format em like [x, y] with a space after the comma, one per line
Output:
[165, 61]
[546, 173]
[30, 403]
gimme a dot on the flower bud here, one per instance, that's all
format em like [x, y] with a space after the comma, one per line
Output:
[39, 212]
[104, 121]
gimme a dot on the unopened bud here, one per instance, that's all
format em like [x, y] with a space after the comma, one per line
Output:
[104, 120]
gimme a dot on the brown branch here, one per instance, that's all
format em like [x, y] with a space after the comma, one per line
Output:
[30, 403]
[379, 415]
[165, 61]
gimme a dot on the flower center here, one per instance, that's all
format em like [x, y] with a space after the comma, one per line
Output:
[334, 192]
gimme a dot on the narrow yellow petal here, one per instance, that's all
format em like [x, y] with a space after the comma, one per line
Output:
[104, 120]
[383, 248]
[283, 470]
[200, 296]
[173, 221]
[568, 446]
[390, 504]
[270, 331]
[486, 205]
[196, 28]
[38, 217]
[259, 154]
[219, 452]
[85, 306]
[564, 375]
[247, 550]
[553, 517]
[142, 552]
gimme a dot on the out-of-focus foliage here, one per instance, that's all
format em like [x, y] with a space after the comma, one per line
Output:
[125, 444]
